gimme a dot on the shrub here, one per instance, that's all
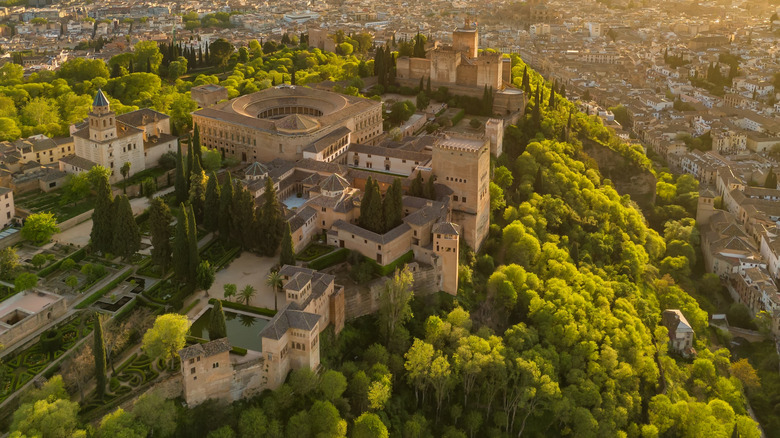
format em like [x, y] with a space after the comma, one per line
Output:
[458, 117]
[474, 123]
[51, 341]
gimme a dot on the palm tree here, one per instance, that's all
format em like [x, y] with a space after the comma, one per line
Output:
[230, 291]
[247, 293]
[274, 280]
[125, 171]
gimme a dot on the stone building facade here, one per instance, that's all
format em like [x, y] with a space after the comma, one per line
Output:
[285, 121]
[463, 165]
[140, 138]
[464, 71]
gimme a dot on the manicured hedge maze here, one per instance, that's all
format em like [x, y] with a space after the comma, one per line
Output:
[23, 366]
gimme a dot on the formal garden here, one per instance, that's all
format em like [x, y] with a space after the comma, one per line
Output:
[138, 370]
[38, 202]
[21, 367]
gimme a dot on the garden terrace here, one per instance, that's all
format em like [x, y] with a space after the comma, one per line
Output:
[22, 366]
[38, 202]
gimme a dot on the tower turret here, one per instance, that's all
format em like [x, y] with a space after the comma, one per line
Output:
[102, 121]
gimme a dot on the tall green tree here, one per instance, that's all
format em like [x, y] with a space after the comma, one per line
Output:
[197, 193]
[526, 81]
[99, 350]
[394, 307]
[211, 205]
[102, 234]
[39, 227]
[771, 180]
[196, 146]
[242, 220]
[393, 206]
[373, 219]
[217, 324]
[204, 276]
[193, 258]
[127, 236]
[271, 220]
[181, 245]
[180, 183]
[225, 204]
[160, 229]
[287, 254]
[416, 189]
[430, 189]
[166, 337]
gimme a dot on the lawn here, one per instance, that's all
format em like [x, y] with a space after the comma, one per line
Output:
[313, 251]
[50, 202]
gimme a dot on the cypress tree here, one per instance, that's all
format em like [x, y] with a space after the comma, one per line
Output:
[430, 189]
[190, 166]
[562, 92]
[392, 205]
[551, 103]
[416, 189]
[181, 244]
[526, 80]
[287, 255]
[196, 143]
[193, 259]
[217, 324]
[379, 66]
[271, 220]
[99, 350]
[116, 70]
[197, 192]
[242, 214]
[102, 234]
[374, 217]
[180, 184]
[225, 203]
[428, 86]
[127, 236]
[159, 227]
[211, 204]
[131, 67]
[771, 180]
[539, 181]
[536, 114]
[148, 65]
[420, 87]
[364, 202]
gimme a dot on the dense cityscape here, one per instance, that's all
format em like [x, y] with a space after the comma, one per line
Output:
[356, 219]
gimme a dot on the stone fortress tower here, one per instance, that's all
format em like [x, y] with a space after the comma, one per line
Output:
[464, 71]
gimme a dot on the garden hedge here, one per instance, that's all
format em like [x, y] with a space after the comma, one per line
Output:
[105, 289]
[458, 117]
[330, 259]
[77, 256]
[244, 307]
